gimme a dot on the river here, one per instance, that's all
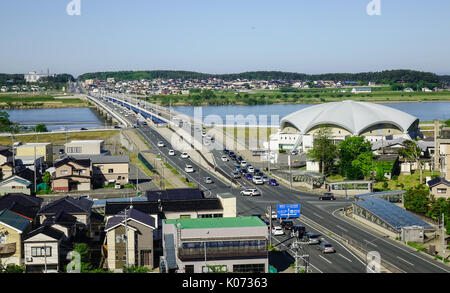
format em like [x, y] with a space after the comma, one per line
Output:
[425, 111]
[56, 119]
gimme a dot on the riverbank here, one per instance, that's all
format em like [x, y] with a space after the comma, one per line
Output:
[25, 101]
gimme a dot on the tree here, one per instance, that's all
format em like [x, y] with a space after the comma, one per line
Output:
[416, 199]
[46, 178]
[324, 151]
[40, 128]
[83, 250]
[348, 151]
[411, 151]
[364, 164]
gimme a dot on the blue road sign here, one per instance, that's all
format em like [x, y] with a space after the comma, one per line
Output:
[288, 211]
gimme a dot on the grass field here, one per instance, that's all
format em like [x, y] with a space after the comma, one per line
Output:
[38, 101]
[59, 138]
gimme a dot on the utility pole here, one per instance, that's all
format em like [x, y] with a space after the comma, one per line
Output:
[35, 169]
[137, 180]
[443, 237]
[290, 174]
[13, 156]
[45, 257]
[270, 227]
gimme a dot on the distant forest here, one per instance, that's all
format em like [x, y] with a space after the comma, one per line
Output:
[384, 77]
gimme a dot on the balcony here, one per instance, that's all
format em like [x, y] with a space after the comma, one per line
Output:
[221, 252]
[8, 248]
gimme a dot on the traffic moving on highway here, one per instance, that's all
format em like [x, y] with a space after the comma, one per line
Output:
[325, 233]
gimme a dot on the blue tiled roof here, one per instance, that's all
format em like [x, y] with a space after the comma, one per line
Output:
[14, 220]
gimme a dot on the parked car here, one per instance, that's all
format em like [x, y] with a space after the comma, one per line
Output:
[160, 144]
[288, 225]
[184, 155]
[249, 176]
[326, 247]
[257, 180]
[327, 196]
[312, 238]
[273, 182]
[277, 230]
[171, 153]
[189, 169]
[117, 185]
[208, 180]
[250, 192]
[236, 175]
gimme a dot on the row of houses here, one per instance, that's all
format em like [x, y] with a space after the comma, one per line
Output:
[177, 230]
[81, 166]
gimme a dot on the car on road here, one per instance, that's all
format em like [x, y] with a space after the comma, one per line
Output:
[250, 192]
[236, 175]
[184, 155]
[171, 153]
[226, 151]
[294, 153]
[288, 225]
[243, 164]
[327, 196]
[326, 247]
[250, 169]
[249, 176]
[300, 230]
[312, 238]
[273, 182]
[160, 144]
[189, 169]
[274, 215]
[265, 178]
[208, 180]
[224, 159]
[257, 180]
[277, 230]
[259, 173]
[243, 171]
[233, 157]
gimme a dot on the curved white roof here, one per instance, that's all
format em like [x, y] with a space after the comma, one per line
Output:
[351, 115]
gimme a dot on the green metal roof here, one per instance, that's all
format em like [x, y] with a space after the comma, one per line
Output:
[205, 223]
[14, 220]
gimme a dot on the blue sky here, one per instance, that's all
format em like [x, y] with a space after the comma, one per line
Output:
[309, 36]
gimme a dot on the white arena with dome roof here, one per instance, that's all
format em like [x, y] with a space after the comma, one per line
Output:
[343, 119]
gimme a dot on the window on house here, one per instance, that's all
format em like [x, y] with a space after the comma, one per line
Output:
[2, 239]
[63, 172]
[110, 171]
[41, 251]
[442, 190]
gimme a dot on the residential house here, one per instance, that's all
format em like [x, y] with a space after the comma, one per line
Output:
[439, 187]
[45, 250]
[23, 204]
[80, 208]
[108, 170]
[15, 184]
[13, 228]
[6, 156]
[234, 245]
[31, 162]
[7, 170]
[72, 174]
[39, 149]
[130, 231]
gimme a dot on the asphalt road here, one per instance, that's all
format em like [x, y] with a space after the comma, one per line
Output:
[322, 213]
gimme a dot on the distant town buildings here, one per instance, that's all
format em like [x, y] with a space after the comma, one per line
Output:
[32, 76]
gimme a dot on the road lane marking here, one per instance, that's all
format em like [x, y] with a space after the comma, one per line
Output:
[344, 257]
[325, 259]
[317, 215]
[369, 242]
[405, 261]
[342, 228]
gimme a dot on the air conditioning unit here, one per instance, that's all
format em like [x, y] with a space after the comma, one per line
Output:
[29, 259]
